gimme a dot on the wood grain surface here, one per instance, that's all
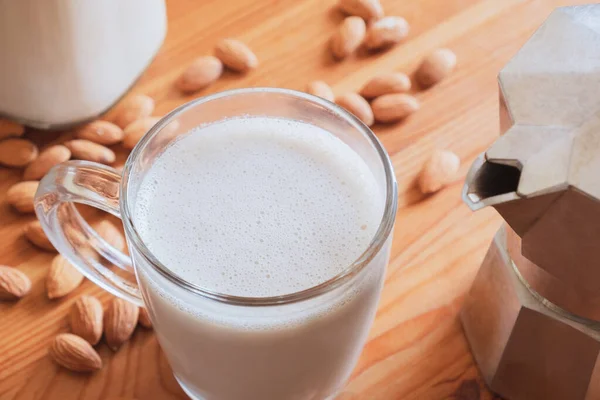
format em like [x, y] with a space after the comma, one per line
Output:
[416, 348]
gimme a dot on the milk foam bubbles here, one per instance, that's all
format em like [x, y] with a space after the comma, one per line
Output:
[258, 206]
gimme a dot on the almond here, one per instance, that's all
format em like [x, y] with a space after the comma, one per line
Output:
[90, 151]
[74, 353]
[17, 152]
[120, 320]
[10, 128]
[236, 55]
[21, 195]
[438, 171]
[47, 159]
[394, 107]
[199, 74]
[13, 283]
[137, 129]
[386, 32]
[36, 235]
[101, 132]
[435, 67]
[144, 318]
[321, 89]
[110, 233]
[348, 37]
[366, 9]
[358, 106]
[392, 82]
[86, 319]
[62, 278]
[132, 108]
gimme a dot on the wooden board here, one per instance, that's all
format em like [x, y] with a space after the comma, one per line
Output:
[416, 348]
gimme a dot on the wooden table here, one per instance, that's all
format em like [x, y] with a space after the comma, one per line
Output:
[416, 349]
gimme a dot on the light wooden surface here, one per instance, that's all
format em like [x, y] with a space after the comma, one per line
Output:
[416, 348]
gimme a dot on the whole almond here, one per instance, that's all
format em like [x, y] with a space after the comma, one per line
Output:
[101, 132]
[74, 353]
[435, 67]
[62, 278]
[86, 319]
[358, 106]
[120, 320]
[366, 9]
[90, 151]
[10, 128]
[144, 318]
[109, 232]
[348, 37]
[133, 108]
[236, 55]
[13, 283]
[47, 159]
[36, 235]
[137, 129]
[438, 171]
[21, 195]
[17, 152]
[386, 32]
[199, 74]
[387, 83]
[394, 107]
[321, 89]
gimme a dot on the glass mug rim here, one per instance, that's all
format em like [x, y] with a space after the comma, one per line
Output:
[381, 235]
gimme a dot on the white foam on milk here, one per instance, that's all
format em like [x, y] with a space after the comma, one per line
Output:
[258, 206]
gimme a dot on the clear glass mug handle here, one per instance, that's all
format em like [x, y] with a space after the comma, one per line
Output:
[98, 186]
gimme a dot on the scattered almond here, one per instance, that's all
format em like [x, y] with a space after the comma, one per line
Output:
[101, 132]
[366, 9]
[438, 171]
[36, 235]
[109, 232]
[47, 159]
[387, 83]
[358, 106]
[348, 37]
[21, 195]
[120, 320]
[13, 283]
[133, 108]
[86, 319]
[144, 318]
[90, 151]
[321, 89]
[386, 32]
[435, 67]
[17, 152]
[200, 73]
[236, 55]
[137, 129]
[394, 107]
[62, 278]
[10, 128]
[74, 353]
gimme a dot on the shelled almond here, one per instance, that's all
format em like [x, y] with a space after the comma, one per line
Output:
[137, 129]
[120, 320]
[110, 233]
[386, 83]
[321, 89]
[144, 318]
[394, 107]
[366, 9]
[236, 55]
[75, 353]
[386, 32]
[62, 278]
[87, 150]
[358, 106]
[21, 195]
[199, 74]
[435, 66]
[36, 235]
[101, 132]
[438, 171]
[348, 38]
[47, 159]
[13, 283]
[17, 153]
[10, 128]
[133, 108]
[86, 319]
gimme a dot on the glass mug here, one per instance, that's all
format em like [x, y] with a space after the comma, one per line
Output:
[320, 331]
